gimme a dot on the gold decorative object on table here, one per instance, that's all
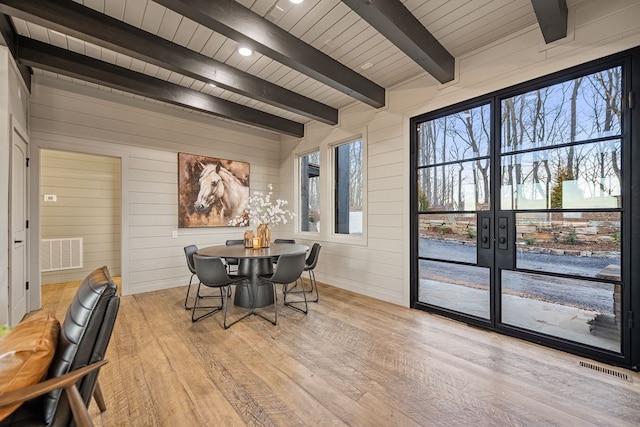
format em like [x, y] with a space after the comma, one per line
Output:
[264, 233]
[255, 241]
[248, 239]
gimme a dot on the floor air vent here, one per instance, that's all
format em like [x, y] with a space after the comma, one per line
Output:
[607, 371]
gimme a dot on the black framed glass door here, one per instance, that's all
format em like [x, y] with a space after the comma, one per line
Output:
[521, 217]
[453, 177]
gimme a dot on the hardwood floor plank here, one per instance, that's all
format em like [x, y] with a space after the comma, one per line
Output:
[352, 360]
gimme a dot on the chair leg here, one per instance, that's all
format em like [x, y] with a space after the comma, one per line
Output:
[190, 307]
[275, 306]
[292, 304]
[186, 307]
[314, 286]
[195, 307]
[226, 303]
[99, 398]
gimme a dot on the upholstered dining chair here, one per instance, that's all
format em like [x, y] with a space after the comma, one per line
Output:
[291, 241]
[212, 273]
[189, 252]
[288, 270]
[233, 261]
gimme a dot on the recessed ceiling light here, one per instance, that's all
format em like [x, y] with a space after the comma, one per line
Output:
[296, 1]
[245, 51]
[366, 65]
[212, 85]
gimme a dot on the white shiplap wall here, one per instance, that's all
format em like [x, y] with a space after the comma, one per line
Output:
[147, 139]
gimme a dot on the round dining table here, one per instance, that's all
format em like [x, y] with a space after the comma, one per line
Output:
[253, 263]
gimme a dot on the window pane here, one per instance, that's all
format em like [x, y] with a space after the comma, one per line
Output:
[310, 192]
[448, 237]
[456, 287]
[348, 188]
[575, 110]
[459, 136]
[579, 243]
[574, 309]
[543, 179]
[462, 186]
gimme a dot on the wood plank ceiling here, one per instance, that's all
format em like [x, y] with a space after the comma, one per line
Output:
[309, 59]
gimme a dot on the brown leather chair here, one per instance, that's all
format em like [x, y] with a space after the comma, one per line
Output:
[82, 343]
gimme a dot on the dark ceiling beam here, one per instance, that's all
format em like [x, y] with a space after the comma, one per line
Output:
[394, 21]
[8, 33]
[51, 58]
[552, 18]
[87, 24]
[236, 22]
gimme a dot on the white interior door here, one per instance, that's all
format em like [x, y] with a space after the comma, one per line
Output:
[18, 275]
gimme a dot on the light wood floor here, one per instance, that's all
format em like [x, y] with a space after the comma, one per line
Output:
[352, 360]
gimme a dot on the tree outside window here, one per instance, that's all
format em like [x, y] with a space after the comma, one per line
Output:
[310, 192]
[348, 161]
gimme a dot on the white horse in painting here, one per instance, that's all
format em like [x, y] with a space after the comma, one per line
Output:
[219, 186]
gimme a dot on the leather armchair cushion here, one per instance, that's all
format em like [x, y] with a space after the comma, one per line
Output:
[26, 353]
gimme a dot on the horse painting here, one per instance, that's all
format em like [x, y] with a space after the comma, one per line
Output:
[212, 191]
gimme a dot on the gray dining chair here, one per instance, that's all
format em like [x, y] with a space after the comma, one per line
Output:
[233, 261]
[291, 241]
[288, 270]
[212, 273]
[189, 252]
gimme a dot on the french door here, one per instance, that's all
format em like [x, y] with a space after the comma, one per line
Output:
[522, 217]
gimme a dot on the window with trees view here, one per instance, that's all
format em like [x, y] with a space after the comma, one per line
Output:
[561, 145]
[454, 152]
[310, 192]
[348, 187]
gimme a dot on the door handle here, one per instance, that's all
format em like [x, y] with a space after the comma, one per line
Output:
[503, 233]
[485, 233]
[17, 241]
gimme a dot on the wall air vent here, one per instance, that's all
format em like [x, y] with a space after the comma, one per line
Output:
[60, 254]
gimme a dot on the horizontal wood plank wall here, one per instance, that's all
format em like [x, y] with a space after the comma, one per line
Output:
[377, 267]
[147, 138]
[381, 268]
[87, 190]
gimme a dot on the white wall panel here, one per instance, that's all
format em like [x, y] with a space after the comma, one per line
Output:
[147, 138]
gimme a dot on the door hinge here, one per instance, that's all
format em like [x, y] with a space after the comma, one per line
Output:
[630, 100]
[27, 285]
[630, 320]
[27, 162]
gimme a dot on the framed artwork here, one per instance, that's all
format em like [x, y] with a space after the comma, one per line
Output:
[211, 191]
